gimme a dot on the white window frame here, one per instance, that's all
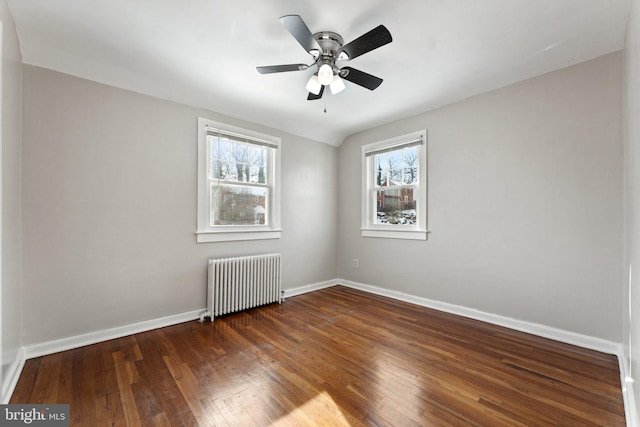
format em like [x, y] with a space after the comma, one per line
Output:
[224, 233]
[369, 200]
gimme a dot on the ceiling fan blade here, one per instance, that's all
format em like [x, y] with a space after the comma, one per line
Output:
[268, 69]
[299, 30]
[360, 78]
[312, 96]
[367, 42]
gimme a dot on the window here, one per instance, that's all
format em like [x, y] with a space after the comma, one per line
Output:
[238, 184]
[394, 185]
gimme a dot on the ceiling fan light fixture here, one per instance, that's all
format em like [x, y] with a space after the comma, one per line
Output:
[337, 85]
[325, 74]
[314, 85]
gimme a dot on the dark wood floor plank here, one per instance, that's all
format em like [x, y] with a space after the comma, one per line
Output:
[329, 358]
[45, 389]
[27, 380]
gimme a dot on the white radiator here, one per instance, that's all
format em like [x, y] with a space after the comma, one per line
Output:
[241, 283]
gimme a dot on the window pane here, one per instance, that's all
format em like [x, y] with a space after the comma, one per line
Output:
[220, 148]
[232, 171]
[381, 177]
[238, 162]
[394, 168]
[410, 175]
[395, 176]
[258, 165]
[395, 159]
[395, 206]
[258, 156]
[382, 170]
[240, 153]
[410, 165]
[410, 157]
[220, 155]
[237, 205]
[216, 169]
[258, 175]
[381, 161]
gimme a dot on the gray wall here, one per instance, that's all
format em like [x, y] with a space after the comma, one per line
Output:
[525, 204]
[631, 294]
[11, 310]
[109, 212]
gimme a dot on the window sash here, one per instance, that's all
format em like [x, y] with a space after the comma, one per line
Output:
[393, 147]
[399, 213]
[266, 165]
[240, 137]
[395, 176]
[217, 220]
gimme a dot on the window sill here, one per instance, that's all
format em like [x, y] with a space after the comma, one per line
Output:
[395, 234]
[235, 235]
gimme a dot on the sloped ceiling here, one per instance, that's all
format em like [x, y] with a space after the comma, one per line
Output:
[204, 52]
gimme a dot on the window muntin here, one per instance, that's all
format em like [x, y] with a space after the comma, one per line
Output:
[394, 187]
[238, 184]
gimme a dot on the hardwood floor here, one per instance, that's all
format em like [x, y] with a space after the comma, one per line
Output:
[332, 357]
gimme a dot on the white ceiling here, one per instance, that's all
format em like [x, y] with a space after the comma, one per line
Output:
[204, 52]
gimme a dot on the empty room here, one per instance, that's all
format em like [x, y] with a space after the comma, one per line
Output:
[289, 213]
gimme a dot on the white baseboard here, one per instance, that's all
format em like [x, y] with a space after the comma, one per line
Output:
[628, 394]
[593, 343]
[12, 376]
[292, 292]
[50, 347]
[580, 340]
[630, 408]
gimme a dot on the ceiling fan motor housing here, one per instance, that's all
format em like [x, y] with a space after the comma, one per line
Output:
[330, 43]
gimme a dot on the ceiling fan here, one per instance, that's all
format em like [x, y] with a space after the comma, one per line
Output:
[326, 47]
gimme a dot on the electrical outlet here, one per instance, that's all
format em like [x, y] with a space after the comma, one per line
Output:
[355, 263]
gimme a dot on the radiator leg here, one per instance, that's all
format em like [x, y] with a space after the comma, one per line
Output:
[281, 297]
[204, 316]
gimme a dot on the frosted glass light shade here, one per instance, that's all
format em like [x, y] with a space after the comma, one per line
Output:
[313, 85]
[337, 85]
[325, 74]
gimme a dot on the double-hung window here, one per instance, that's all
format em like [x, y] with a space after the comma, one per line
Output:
[394, 183]
[238, 183]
